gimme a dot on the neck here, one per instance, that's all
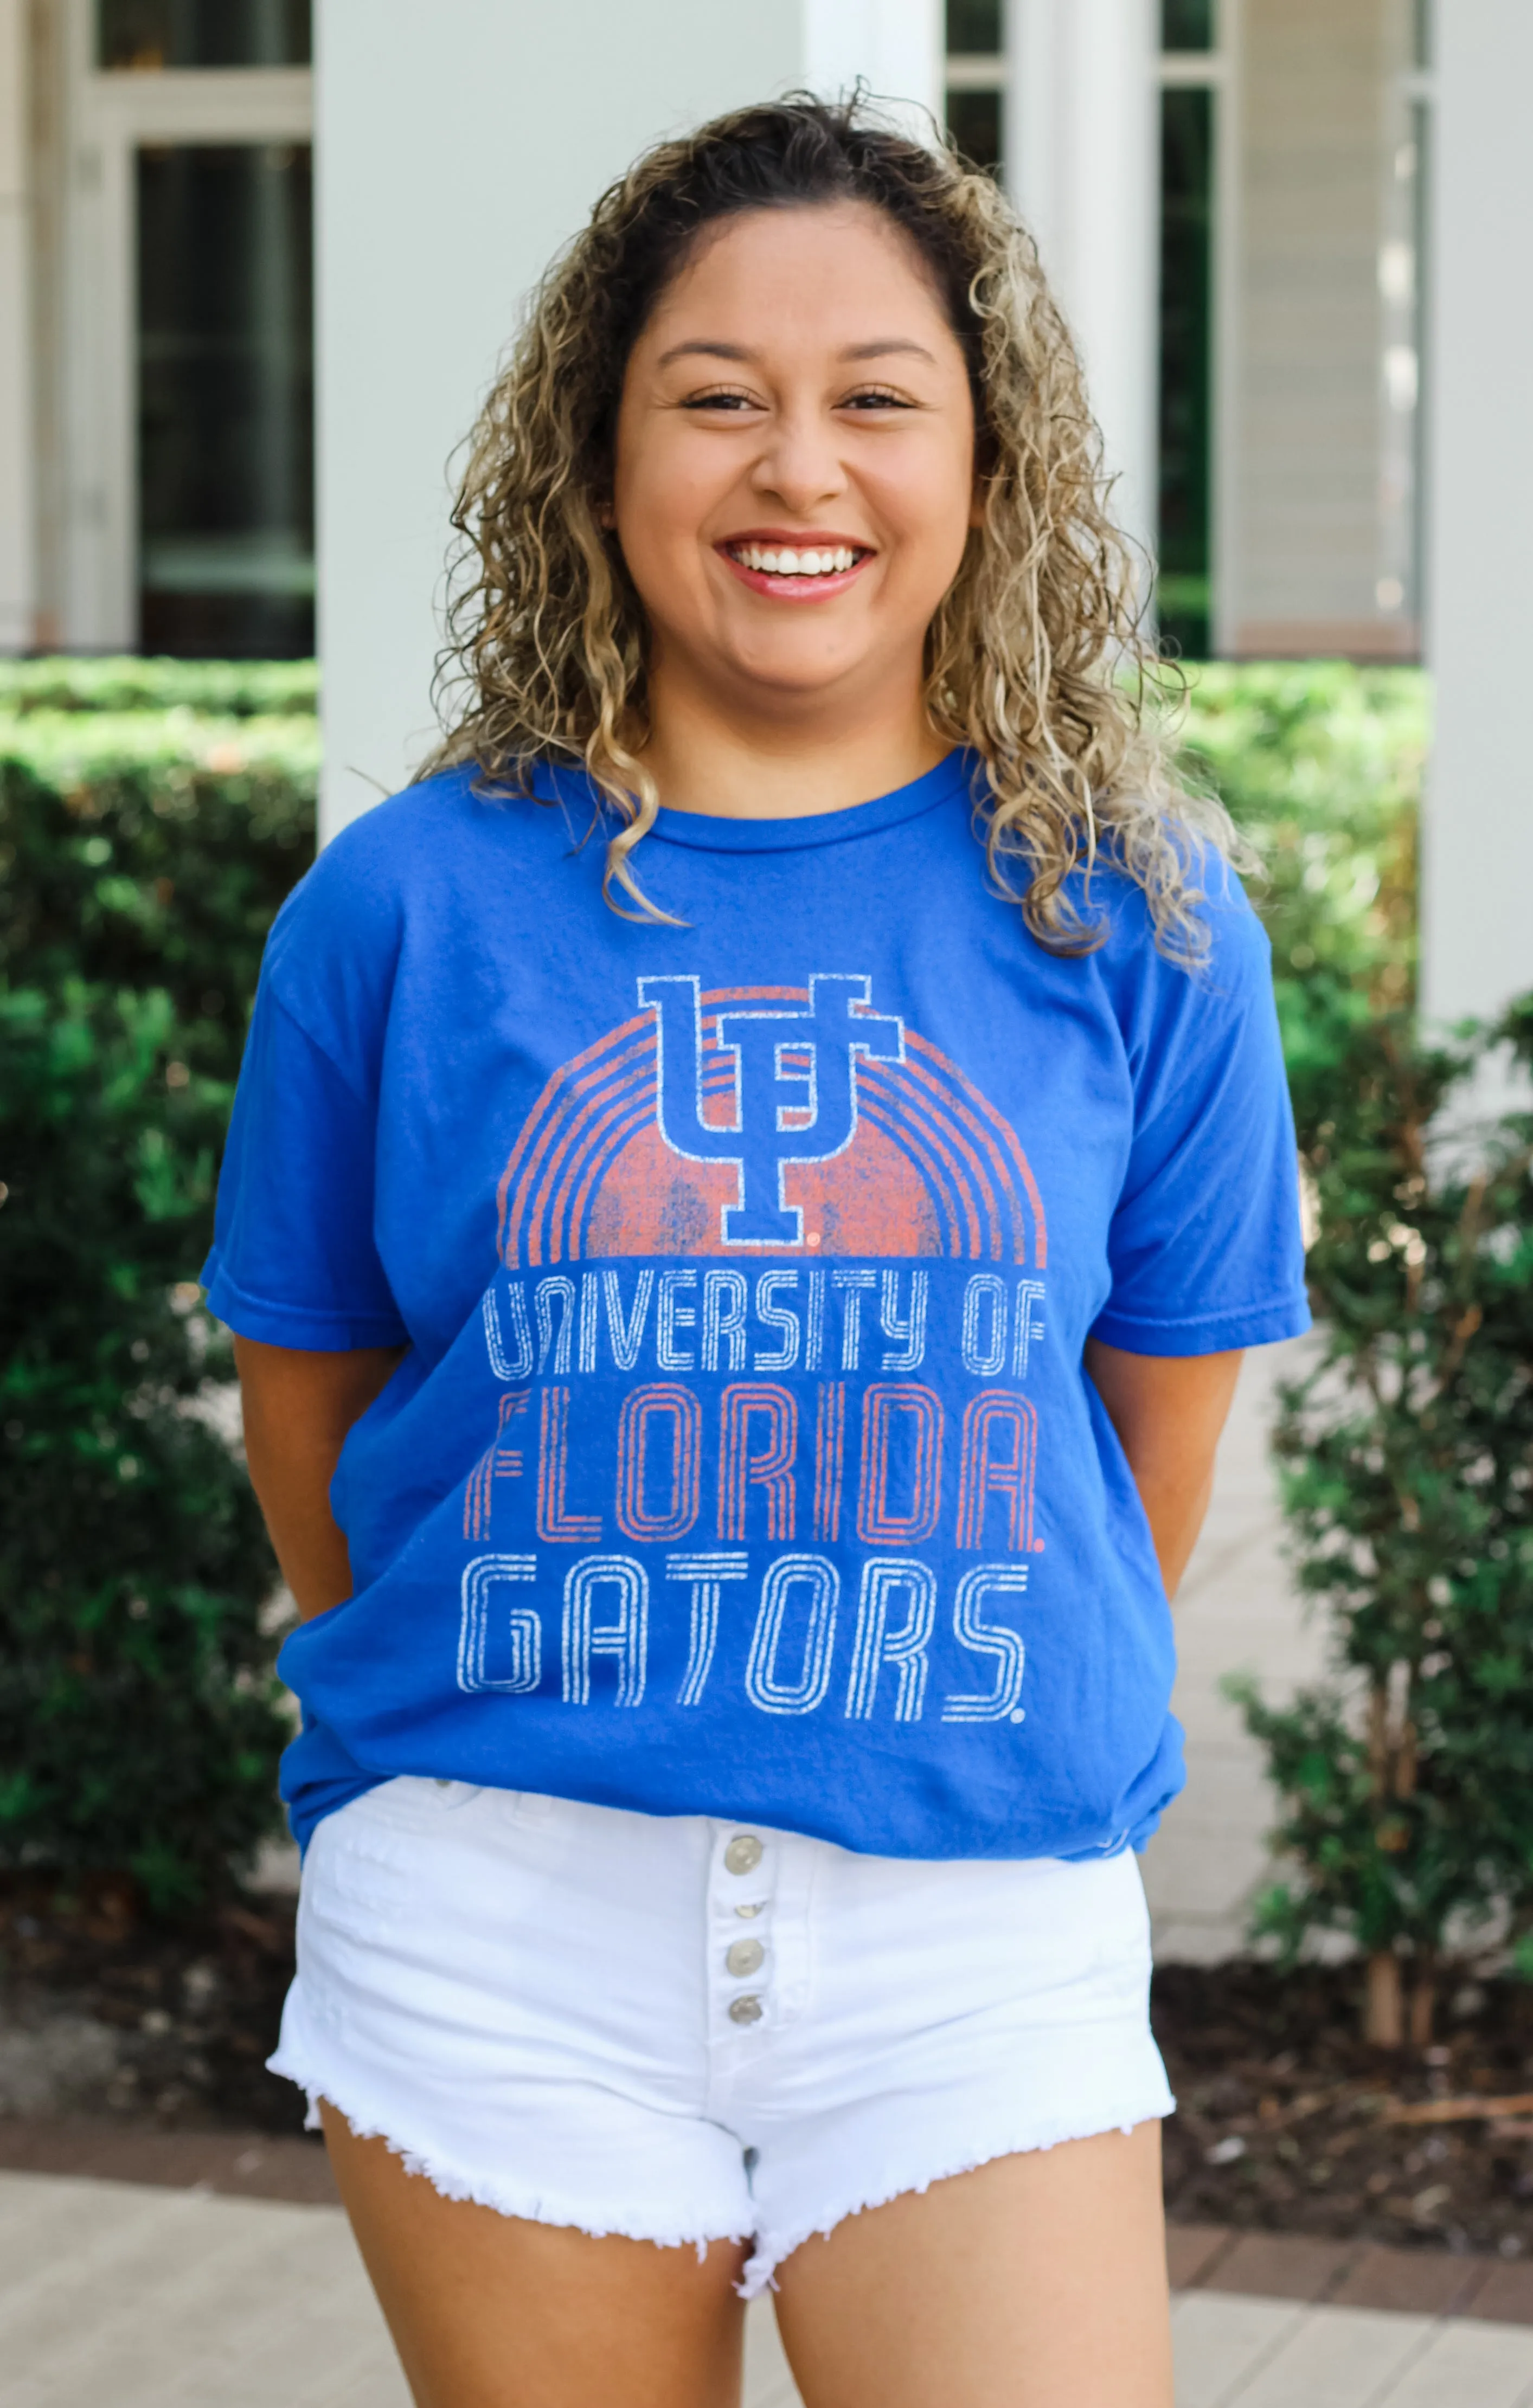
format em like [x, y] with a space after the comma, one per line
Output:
[709, 754]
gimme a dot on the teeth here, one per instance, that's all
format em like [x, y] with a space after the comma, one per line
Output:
[775, 561]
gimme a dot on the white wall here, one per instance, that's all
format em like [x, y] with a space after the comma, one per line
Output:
[1478, 885]
[1314, 132]
[1081, 142]
[18, 597]
[457, 146]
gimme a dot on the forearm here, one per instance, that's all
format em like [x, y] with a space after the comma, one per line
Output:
[298, 1409]
[1175, 1512]
[1168, 1412]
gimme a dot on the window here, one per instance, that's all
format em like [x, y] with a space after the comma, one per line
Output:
[1189, 137]
[1184, 585]
[184, 458]
[1190, 69]
[975, 80]
[146, 34]
[1187, 24]
[225, 400]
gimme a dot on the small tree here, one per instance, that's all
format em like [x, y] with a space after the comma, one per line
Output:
[1406, 1462]
[1407, 1452]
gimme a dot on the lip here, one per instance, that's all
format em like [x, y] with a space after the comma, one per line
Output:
[796, 588]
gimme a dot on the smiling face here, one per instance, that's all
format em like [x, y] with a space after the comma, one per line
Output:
[794, 477]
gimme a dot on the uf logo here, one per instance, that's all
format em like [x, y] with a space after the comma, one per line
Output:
[795, 1090]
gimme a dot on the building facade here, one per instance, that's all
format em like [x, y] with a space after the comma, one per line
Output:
[1264, 217]
[1267, 211]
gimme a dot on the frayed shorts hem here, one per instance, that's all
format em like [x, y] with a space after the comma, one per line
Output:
[537, 2205]
[770, 2250]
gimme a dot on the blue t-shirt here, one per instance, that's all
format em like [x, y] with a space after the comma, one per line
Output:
[743, 1461]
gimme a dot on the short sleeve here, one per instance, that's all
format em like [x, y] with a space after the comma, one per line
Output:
[1205, 1248]
[294, 1261]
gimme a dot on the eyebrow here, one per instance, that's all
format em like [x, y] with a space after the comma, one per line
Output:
[882, 348]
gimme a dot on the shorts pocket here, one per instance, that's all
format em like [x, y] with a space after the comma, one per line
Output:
[371, 1851]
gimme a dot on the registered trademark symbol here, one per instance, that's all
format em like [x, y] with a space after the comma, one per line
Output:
[1018, 1714]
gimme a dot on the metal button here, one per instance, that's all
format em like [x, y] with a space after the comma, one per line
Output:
[745, 1957]
[747, 1914]
[747, 2009]
[744, 1853]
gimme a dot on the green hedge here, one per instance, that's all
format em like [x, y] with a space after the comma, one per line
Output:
[212, 689]
[152, 814]
[144, 851]
[1322, 766]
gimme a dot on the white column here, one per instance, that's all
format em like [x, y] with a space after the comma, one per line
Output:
[457, 146]
[1478, 870]
[1081, 149]
[896, 47]
[18, 546]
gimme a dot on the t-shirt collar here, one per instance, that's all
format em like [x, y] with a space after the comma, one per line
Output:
[707, 832]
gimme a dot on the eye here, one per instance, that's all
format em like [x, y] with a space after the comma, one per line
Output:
[723, 399]
[876, 396]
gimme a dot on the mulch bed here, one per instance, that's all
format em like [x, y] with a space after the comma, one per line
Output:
[193, 2009]
[1285, 2121]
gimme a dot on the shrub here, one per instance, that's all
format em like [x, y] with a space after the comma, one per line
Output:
[144, 853]
[1406, 1459]
[1405, 1450]
[1321, 764]
[212, 689]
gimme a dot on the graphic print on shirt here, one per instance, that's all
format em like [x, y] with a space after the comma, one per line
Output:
[766, 1119]
[751, 1374]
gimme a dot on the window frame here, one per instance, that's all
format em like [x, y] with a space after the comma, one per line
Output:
[108, 113]
[1215, 69]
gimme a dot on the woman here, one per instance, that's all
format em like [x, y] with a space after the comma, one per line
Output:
[754, 1177]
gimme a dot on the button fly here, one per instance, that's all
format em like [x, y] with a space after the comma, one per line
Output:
[745, 1957]
[747, 2009]
[744, 1853]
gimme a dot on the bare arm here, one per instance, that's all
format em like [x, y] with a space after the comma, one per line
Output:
[298, 1408]
[1168, 1412]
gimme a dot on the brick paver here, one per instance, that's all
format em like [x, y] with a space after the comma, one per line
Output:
[235, 2165]
[1420, 2282]
[1275, 2266]
[1505, 2296]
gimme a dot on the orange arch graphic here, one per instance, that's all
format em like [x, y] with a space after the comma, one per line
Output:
[932, 1169]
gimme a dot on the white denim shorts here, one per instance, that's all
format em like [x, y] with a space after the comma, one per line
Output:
[687, 2030]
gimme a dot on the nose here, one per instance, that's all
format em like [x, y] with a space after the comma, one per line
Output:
[800, 462]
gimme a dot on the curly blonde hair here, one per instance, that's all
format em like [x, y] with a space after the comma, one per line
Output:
[1035, 658]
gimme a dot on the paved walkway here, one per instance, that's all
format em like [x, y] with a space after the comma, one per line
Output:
[115, 2295]
[1237, 1612]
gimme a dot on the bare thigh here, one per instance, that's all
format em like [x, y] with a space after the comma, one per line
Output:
[491, 2310]
[1037, 2281]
